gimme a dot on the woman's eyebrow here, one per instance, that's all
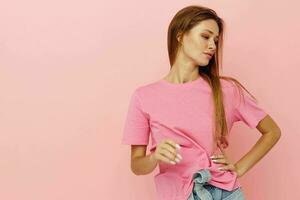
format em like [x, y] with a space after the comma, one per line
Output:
[210, 32]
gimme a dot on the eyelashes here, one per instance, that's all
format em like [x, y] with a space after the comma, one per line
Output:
[208, 37]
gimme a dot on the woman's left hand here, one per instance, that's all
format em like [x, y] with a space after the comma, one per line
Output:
[228, 164]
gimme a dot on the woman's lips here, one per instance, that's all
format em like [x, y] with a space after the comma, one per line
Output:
[209, 56]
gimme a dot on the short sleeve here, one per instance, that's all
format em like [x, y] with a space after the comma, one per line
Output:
[136, 129]
[248, 110]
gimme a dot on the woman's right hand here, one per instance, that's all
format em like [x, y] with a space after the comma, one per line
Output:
[166, 151]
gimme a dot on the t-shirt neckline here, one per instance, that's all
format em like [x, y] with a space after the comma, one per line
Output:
[182, 85]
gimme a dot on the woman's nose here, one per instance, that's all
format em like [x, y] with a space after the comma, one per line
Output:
[212, 45]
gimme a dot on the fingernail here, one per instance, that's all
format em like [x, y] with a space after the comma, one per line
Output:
[178, 146]
[177, 160]
[172, 162]
[212, 157]
[220, 168]
[179, 156]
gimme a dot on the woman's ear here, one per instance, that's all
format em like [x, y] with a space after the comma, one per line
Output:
[179, 37]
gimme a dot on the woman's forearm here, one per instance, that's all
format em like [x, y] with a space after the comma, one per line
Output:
[143, 165]
[258, 151]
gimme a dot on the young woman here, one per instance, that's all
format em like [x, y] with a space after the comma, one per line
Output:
[190, 112]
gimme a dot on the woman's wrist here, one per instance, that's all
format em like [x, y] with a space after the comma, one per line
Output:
[238, 171]
[152, 157]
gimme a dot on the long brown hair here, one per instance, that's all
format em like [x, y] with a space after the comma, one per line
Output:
[184, 20]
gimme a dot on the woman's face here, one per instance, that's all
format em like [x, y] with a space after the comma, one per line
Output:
[201, 39]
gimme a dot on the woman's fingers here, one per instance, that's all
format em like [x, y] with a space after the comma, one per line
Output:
[169, 157]
[167, 152]
[164, 158]
[227, 167]
[172, 143]
[217, 156]
[223, 159]
[220, 160]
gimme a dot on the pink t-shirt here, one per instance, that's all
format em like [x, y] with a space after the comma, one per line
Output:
[183, 112]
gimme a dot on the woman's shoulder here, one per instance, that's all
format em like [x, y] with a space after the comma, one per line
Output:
[231, 86]
[227, 83]
[146, 88]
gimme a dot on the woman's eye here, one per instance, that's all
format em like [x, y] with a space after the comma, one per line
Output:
[216, 42]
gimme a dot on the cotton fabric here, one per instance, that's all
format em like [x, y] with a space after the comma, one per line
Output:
[184, 112]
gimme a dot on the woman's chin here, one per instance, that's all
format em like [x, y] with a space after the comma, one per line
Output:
[203, 63]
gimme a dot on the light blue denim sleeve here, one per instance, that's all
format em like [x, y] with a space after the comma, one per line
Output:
[203, 191]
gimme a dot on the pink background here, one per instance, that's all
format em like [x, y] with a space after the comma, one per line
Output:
[68, 68]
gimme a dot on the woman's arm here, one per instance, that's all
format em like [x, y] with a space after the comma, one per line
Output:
[270, 135]
[141, 163]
